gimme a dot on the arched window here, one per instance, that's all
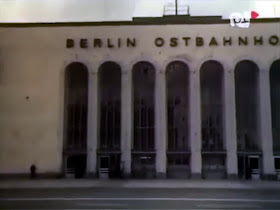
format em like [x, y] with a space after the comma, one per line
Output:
[177, 81]
[211, 80]
[275, 104]
[110, 117]
[110, 106]
[143, 156]
[75, 118]
[212, 120]
[246, 97]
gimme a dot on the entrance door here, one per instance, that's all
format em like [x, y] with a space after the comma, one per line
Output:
[277, 166]
[115, 166]
[76, 166]
[109, 166]
[241, 167]
[249, 166]
[254, 165]
[104, 163]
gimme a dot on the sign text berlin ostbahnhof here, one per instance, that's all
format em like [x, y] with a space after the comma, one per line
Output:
[272, 40]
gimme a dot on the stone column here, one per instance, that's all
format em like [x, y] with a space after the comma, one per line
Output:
[126, 121]
[92, 129]
[160, 123]
[266, 125]
[230, 124]
[195, 124]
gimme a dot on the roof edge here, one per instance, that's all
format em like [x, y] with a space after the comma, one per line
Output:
[165, 20]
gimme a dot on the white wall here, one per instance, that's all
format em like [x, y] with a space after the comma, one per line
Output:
[33, 60]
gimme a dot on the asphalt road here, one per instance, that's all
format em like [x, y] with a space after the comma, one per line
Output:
[128, 198]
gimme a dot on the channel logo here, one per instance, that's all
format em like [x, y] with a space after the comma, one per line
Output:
[254, 15]
[242, 20]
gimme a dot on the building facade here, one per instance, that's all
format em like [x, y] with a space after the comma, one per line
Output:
[151, 98]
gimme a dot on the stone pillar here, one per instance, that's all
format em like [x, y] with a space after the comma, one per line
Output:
[195, 124]
[230, 124]
[92, 127]
[160, 123]
[266, 125]
[126, 121]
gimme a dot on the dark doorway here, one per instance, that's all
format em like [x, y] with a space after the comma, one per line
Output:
[78, 164]
[109, 165]
[248, 166]
[115, 166]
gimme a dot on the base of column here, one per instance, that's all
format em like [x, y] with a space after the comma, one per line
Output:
[161, 175]
[269, 177]
[232, 177]
[91, 175]
[196, 175]
[126, 176]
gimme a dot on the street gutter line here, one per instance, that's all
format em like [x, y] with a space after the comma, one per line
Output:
[143, 199]
[101, 204]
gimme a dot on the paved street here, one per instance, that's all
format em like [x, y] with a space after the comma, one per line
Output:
[139, 198]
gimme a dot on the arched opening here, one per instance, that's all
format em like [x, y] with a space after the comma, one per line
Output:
[109, 147]
[178, 153]
[143, 153]
[75, 119]
[212, 116]
[275, 104]
[275, 111]
[246, 97]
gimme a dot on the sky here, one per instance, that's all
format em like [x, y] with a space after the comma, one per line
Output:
[116, 10]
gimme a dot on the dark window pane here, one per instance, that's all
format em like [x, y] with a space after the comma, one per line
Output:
[211, 78]
[177, 77]
[110, 87]
[143, 81]
[76, 90]
[246, 88]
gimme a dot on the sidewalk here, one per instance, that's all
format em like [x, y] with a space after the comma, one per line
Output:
[167, 183]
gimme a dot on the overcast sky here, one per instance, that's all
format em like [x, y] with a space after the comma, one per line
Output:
[110, 10]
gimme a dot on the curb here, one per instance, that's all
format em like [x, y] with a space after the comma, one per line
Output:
[155, 184]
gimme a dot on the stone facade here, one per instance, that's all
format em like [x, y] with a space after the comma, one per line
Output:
[33, 60]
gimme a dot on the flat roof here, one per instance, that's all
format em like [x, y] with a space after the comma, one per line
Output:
[165, 20]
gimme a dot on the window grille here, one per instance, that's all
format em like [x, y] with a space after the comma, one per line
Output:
[246, 90]
[212, 139]
[76, 131]
[110, 126]
[178, 155]
[211, 78]
[275, 104]
[143, 78]
[76, 99]
[177, 106]
[143, 125]
[143, 154]
[110, 117]
[177, 125]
